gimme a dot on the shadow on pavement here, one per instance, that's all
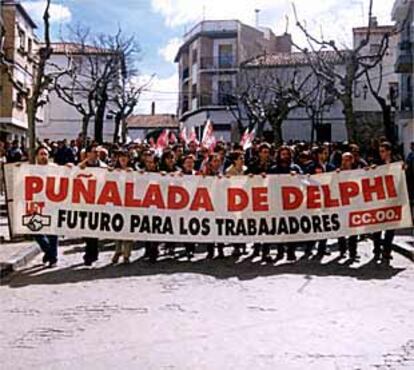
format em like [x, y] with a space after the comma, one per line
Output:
[220, 269]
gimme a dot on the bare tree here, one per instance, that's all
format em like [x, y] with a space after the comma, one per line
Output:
[126, 94]
[318, 101]
[101, 66]
[34, 95]
[355, 61]
[125, 100]
[386, 105]
[269, 94]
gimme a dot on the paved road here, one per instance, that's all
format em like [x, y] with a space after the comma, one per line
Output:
[208, 315]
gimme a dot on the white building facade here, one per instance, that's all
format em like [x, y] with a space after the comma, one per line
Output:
[62, 120]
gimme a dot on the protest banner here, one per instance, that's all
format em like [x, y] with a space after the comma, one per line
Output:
[95, 202]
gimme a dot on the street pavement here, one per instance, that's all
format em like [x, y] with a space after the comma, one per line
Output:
[221, 314]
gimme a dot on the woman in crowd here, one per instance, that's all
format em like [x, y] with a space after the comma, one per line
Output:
[122, 247]
[237, 168]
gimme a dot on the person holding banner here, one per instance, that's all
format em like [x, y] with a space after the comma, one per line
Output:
[188, 169]
[47, 243]
[168, 165]
[212, 168]
[151, 248]
[350, 243]
[91, 248]
[284, 165]
[237, 168]
[319, 165]
[383, 243]
[260, 165]
[122, 247]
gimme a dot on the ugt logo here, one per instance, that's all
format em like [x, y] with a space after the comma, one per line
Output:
[34, 219]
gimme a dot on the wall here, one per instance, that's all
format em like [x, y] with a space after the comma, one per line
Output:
[370, 104]
[62, 121]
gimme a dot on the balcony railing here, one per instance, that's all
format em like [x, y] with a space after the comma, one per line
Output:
[210, 100]
[405, 45]
[185, 107]
[407, 104]
[218, 63]
[405, 63]
[212, 26]
[405, 57]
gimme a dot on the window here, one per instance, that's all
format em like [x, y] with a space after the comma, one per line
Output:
[226, 59]
[225, 91]
[374, 49]
[393, 93]
[29, 46]
[22, 40]
[20, 100]
[194, 56]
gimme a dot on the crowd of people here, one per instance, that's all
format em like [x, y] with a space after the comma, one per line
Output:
[224, 159]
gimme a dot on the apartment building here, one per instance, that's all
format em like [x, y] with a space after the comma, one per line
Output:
[208, 62]
[20, 45]
[402, 15]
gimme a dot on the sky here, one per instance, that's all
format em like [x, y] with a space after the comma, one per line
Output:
[159, 26]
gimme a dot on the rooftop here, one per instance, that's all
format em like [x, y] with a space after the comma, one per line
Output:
[290, 59]
[374, 30]
[153, 121]
[74, 48]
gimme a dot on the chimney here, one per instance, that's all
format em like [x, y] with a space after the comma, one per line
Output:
[284, 43]
[153, 108]
[373, 22]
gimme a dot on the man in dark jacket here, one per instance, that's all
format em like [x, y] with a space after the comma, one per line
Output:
[283, 166]
[91, 248]
[64, 154]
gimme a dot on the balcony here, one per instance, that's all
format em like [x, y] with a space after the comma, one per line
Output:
[218, 63]
[216, 100]
[185, 107]
[407, 104]
[405, 58]
[185, 74]
[405, 45]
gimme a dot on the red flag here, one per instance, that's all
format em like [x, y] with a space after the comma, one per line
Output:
[247, 139]
[183, 133]
[208, 135]
[193, 136]
[173, 138]
[162, 141]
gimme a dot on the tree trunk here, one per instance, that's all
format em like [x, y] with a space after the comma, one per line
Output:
[31, 123]
[85, 125]
[350, 120]
[313, 129]
[388, 124]
[99, 120]
[260, 129]
[117, 127]
[124, 130]
[277, 132]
